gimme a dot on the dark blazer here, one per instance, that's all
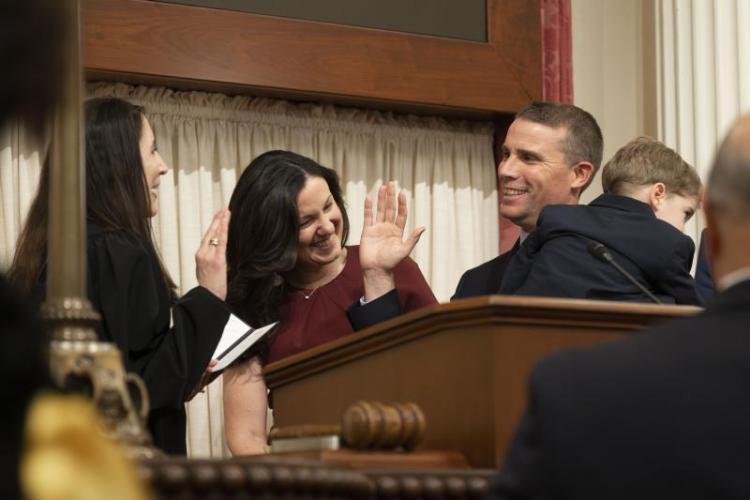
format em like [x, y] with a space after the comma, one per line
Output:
[481, 280]
[662, 414]
[704, 280]
[554, 260]
[485, 278]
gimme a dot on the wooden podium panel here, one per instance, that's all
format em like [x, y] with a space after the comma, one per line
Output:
[465, 363]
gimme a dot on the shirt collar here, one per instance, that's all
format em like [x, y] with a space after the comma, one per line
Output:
[732, 278]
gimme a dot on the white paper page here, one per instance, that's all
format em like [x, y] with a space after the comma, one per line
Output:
[233, 332]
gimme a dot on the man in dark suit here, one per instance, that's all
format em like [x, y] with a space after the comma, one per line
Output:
[550, 155]
[650, 193]
[662, 414]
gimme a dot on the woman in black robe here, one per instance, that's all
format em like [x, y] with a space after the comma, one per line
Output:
[127, 281]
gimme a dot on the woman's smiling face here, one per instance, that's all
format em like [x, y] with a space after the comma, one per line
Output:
[320, 225]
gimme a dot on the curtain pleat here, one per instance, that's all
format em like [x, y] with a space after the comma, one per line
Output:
[703, 77]
[21, 159]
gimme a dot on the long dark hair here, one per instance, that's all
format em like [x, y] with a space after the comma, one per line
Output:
[116, 191]
[264, 231]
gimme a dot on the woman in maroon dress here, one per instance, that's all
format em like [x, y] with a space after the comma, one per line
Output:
[288, 262]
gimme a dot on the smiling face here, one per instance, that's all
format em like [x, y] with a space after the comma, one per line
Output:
[153, 164]
[676, 210]
[534, 172]
[320, 225]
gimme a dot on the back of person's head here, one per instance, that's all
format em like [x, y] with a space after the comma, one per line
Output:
[584, 140]
[645, 161]
[728, 186]
[727, 203]
[264, 230]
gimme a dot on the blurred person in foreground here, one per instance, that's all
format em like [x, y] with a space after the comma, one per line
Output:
[664, 413]
[38, 427]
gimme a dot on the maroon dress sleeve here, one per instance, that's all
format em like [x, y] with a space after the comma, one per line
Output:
[413, 290]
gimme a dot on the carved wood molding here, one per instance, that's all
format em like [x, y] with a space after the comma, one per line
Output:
[467, 314]
[270, 477]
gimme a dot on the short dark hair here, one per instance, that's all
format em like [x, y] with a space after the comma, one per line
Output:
[264, 230]
[645, 161]
[584, 140]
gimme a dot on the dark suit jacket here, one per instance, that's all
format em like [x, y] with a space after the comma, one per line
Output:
[662, 414]
[481, 280]
[704, 280]
[554, 260]
[485, 278]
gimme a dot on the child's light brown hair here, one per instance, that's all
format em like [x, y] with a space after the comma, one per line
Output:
[645, 161]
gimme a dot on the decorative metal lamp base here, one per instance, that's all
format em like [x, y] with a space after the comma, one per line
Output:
[81, 363]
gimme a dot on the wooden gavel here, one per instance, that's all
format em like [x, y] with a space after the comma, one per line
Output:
[368, 425]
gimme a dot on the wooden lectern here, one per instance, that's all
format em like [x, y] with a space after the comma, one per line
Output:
[465, 363]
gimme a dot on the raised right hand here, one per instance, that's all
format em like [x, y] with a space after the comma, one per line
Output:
[382, 246]
[211, 257]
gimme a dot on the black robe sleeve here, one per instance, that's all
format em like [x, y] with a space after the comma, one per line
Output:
[127, 287]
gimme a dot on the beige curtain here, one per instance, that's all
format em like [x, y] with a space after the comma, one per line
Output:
[20, 164]
[702, 52]
[445, 167]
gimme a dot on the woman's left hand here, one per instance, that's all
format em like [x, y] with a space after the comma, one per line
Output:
[211, 257]
[382, 246]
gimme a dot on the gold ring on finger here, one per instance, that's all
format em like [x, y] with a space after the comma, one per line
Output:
[214, 242]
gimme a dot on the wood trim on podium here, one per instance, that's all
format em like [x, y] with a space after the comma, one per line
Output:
[488, 310]
[204, 48]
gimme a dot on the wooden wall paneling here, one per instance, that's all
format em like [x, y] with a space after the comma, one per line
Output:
[210, 47]
[514, 31]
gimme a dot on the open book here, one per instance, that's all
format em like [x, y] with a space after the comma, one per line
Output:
[237, 338]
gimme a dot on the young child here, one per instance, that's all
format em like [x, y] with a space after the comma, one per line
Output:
[650, 192]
